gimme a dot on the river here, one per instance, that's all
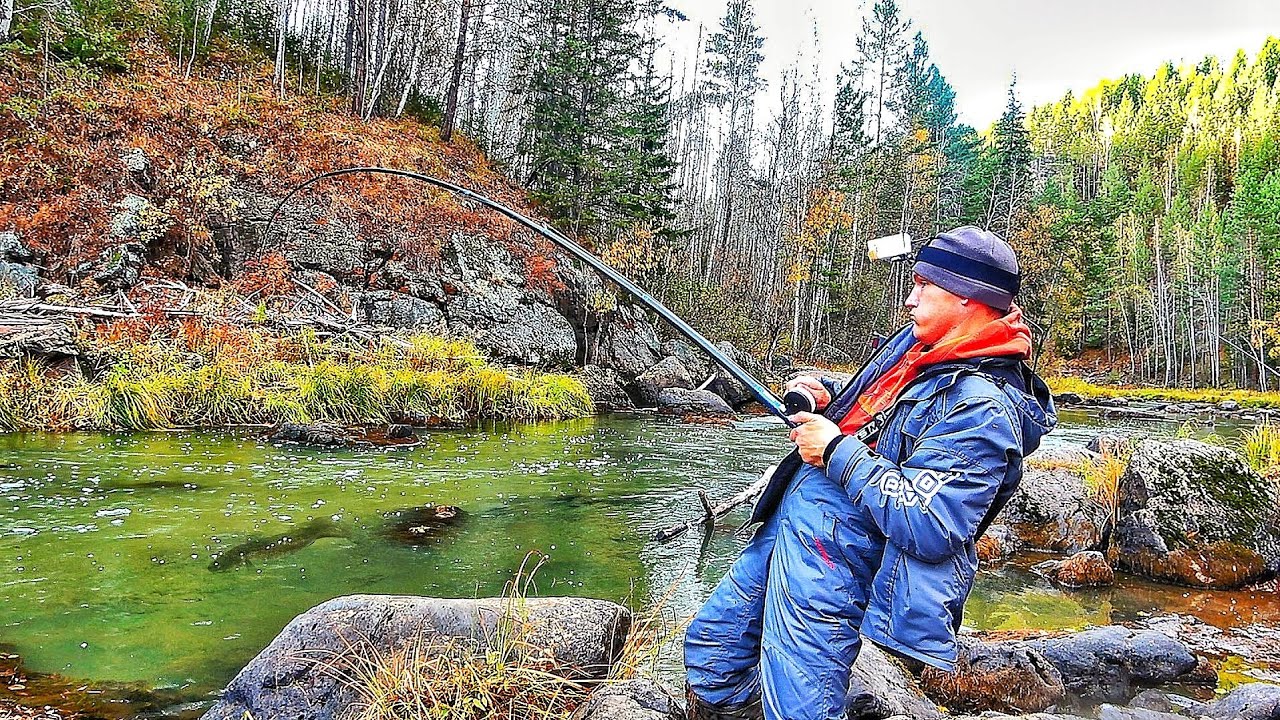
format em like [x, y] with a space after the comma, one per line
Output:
[115, 547]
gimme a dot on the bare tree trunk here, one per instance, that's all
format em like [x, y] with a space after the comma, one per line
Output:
[459, 56]
[6, 18]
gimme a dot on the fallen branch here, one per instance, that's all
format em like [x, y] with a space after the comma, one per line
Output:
[711, 514]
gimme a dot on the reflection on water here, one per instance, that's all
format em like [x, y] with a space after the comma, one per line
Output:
[171, 559]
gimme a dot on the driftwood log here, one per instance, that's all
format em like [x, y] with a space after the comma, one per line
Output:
[711, 513]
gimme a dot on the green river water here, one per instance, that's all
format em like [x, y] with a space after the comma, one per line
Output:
[108, 542]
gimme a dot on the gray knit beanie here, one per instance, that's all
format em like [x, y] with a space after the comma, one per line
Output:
[973, 263]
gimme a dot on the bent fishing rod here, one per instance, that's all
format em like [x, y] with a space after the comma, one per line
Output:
[783, 408]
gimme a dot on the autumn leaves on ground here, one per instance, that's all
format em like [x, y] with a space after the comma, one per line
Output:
[230, 354]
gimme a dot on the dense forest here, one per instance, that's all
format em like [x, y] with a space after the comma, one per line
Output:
[1146, 210]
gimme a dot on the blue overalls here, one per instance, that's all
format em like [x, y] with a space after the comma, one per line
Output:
[877, 544]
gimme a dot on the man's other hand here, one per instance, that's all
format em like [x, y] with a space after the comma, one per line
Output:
[821, 398]
[812, 436]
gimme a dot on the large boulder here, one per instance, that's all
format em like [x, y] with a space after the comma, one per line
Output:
[700, 367]
[632, 700]
[1112, 663]
[302, 674]
[668, 373]
[605, 387]
[880, 687]
[1254, 701]
[1004, 677]
[682, 401]
[625, 341]
[727, 386]
[1053, 510]
[1197, 515]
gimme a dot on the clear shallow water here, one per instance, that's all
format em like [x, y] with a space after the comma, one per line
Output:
[106, 541]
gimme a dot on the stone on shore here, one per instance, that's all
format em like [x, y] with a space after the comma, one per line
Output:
[604, 385]
[640, 699]
[1198, 515]
[1112, 663]
[699, 403]
[299, 675]
[1254, 701]
[880, 687]
[668, 373]
[1052, 510]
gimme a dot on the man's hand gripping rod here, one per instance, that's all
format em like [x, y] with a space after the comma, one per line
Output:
[783, 408]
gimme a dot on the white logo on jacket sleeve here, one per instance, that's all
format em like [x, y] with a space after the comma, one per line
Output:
[920, 489]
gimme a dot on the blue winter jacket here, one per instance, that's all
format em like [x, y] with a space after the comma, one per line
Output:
[948, 455]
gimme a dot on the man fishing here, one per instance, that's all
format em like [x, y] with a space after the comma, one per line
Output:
[870, 524]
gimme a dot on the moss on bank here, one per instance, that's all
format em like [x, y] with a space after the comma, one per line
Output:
[1087, 390]
[199, 373]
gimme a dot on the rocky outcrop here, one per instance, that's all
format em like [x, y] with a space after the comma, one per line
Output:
[299, 676]
[700, 367]
[1004, 677]
[1197, 515]
[727, 386]
[387, 308]
[120, 266]
[880, 687]
[679, 401]
[1111, 664]
[668, 373]
[1084, 569]
[1052, 510]
[632, 700]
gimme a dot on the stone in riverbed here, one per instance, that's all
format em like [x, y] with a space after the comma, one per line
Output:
[1052, 510]
[1110, 664]
[315, 434]
[1254, 701]
[880, 687]
[1004, 677]
[1197, 515]
[1084, 569]
[421, 525]
[1117, 712]
[298, 676]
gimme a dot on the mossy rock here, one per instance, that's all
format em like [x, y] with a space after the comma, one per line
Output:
[1196, 514]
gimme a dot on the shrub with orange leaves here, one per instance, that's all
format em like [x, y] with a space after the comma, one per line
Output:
[267, 276]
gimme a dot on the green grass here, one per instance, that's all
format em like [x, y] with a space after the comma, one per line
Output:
[214, 376]
[1246, 398]
[1260, 447]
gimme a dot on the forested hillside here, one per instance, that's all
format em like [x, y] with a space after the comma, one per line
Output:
[1145, 209]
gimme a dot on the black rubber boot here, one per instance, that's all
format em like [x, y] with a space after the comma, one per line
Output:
[700, 709]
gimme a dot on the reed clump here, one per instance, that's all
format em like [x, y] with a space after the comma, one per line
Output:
[205, 374]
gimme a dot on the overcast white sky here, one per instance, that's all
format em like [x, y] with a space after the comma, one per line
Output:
[979, 44]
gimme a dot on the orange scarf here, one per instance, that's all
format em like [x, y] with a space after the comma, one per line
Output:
[1004, 336]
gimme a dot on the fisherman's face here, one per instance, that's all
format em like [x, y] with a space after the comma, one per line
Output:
[935, 313]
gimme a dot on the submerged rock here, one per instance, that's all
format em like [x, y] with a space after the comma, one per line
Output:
[420, 525]
[1084, 569]
[1004, 677]
[257, 549]
[317, 434]
[1198, 515]
[304, 673]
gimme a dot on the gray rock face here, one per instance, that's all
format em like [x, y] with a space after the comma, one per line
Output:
[626, 342]
[680, 401]
[700, 366]
[880, 687]
[668, 373]
[120, 266]
[388, 308]
[632, 700]
[24, 279]
[1111, 664]
[297, 676]
[1004, 677]
[1052, 510]
[13, 250]
[1197, 515]
[605, 387]
[138, 221]
[1255, 701]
